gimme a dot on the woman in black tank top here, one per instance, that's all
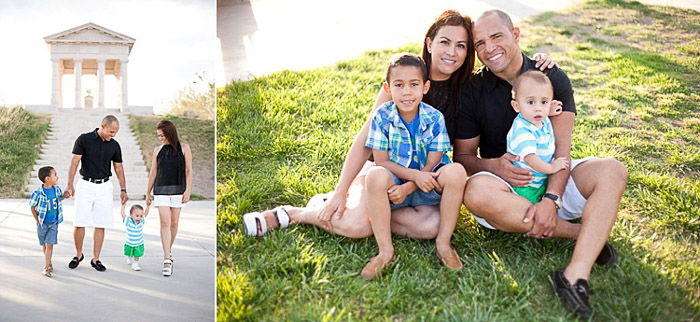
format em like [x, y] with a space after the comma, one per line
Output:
[170, 179]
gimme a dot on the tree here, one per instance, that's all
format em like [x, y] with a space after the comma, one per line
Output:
[198, 99]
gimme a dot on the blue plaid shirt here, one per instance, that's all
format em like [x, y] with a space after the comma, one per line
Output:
[388, 133]
[41, 203]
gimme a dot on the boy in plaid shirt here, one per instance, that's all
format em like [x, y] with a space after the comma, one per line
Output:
[48, 213]
[409, 139]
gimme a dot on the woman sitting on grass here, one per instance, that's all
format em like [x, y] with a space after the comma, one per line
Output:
[448, 52]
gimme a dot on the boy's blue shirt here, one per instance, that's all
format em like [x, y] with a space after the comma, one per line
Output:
[389, 133]
[39, 200]
[412, 130]
[52, 209]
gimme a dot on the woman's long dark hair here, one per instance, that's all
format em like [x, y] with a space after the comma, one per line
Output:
[461, 75]
[169, 131]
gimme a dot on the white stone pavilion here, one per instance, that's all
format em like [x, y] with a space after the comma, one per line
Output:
[89, 49]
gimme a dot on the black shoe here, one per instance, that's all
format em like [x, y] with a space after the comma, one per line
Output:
[98, 265]
[607, 257]
[574, 297]
[75, 261]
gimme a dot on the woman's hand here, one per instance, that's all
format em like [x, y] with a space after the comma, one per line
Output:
[542, 61]
[186, 197]
[149, 199]
[555, 108]
[333, 207]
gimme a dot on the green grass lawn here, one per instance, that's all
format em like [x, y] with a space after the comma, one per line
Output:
[199, 134]
[282, 138]
[21, 135]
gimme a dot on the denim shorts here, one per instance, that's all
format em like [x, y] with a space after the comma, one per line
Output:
[48, 233]
[417, 198]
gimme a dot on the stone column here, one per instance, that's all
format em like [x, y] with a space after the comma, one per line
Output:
[101, 83]
[56, 83]
[78, 83]
[124, 91]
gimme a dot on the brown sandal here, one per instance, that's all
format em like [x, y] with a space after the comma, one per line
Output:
[451, 261]
[374, 268]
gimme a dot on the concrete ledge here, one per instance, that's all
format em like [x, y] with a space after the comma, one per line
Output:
[139, 110]
[39, 109]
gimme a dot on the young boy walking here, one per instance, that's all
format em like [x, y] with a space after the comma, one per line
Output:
[48, 213]
[409, 139]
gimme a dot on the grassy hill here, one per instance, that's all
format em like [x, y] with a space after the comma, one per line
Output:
[21, 135]
[282, 138]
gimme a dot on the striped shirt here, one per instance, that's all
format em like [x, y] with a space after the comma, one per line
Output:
[525, 138]
[134, 231]
[389, 133]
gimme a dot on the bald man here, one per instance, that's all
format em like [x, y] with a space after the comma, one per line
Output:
[93, 193]
[591, 189]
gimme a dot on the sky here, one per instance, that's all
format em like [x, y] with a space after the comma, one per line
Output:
[175, 41]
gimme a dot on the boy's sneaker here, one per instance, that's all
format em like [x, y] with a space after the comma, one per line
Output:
[128, 260]
[135, 266]
[574, 297]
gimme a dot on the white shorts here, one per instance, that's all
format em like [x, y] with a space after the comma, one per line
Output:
[93, 204]
[173, 201]
[572, 202]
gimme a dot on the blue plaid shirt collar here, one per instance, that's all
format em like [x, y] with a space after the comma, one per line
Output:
[424, 116]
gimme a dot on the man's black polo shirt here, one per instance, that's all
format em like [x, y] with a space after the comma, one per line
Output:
[486, 111]
[97, 155]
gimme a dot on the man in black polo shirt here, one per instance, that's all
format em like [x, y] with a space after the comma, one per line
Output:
[591, 189]
[93, 194]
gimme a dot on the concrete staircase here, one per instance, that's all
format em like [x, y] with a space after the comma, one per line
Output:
[66, 126]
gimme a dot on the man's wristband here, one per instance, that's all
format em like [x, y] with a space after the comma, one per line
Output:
[123, 190]
[553, 197]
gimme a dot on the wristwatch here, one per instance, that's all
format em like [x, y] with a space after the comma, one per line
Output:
[123, 190]
[555, 198]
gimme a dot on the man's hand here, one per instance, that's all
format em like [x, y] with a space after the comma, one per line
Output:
[333, 207]
[426, 180]
[398, 193]
[504, 168]
[124, 197]
[544, 214]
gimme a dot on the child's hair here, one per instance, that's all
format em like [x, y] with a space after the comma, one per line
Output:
[135, 207]
[534, 75]
[44, 172]
[169, 131]
[407, 59]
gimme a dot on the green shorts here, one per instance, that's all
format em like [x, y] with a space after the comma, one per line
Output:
[133, 251]
[532, 194]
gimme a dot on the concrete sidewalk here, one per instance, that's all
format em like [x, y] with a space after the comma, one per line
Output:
[119, 293]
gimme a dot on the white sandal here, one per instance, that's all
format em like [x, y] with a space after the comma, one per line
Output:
[255, 220]
[167, 271]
